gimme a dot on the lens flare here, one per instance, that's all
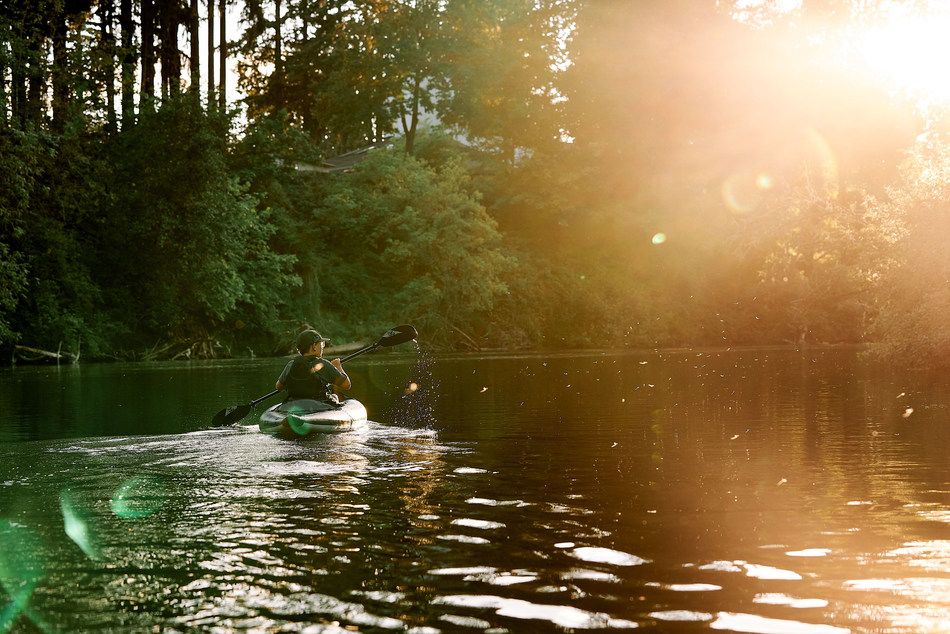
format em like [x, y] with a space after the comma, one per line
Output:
[21, 569]
[77, 528]
[138, 497]
[742, 192]
[298, 425]
[822, 162]
[659, 238]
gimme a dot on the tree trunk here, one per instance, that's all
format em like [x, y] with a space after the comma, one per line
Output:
[128, 64]
[278, 83]
[108, 43]
[60, 70]
[35, 76]
[168, 20]
[148, 52]
[18, 90]
[211, 16]
[164, 68]
[195, 61]
[223, 66]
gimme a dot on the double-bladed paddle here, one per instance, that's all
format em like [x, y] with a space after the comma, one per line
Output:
[393, 337]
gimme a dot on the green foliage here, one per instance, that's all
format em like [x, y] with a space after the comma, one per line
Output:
[355, 71]
[400, 240]
[911, 276]
[497, 70]
[812, 279]
[328, 78]
[12, 283]
[49, 296]
[18, 171]
[181, 231]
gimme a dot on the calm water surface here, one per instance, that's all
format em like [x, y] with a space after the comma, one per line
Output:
[765, 491]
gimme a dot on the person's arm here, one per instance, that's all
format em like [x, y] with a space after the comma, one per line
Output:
[283, 375]
[342, 382]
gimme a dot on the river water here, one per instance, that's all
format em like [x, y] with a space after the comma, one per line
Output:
[765, 491]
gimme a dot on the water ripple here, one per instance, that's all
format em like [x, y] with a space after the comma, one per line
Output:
[736, 622]
[561, 615]
[597, 555]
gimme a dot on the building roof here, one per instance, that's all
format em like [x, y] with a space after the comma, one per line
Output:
[343, 162]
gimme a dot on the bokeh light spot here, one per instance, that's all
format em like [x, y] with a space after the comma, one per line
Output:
[659, 238]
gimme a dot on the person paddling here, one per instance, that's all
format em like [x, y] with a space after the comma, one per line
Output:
[310, 375]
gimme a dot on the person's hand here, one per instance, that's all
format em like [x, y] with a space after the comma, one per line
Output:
[338, 364]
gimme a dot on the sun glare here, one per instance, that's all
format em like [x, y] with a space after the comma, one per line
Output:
[911, 52]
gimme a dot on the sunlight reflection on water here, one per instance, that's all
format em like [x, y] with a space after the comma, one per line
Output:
[518, 508]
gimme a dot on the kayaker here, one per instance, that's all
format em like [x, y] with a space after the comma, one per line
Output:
[310, 375]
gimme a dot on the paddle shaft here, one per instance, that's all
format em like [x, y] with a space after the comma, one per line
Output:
[264, 398]
[394, 337]
[359, 352]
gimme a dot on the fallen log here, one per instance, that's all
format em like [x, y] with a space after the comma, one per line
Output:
[32, 355]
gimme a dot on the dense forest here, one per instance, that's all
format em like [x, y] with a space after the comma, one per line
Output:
[501, 173]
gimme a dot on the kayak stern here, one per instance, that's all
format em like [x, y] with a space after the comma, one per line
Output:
[300, 418]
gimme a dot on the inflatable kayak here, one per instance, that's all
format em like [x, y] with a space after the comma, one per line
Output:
[298, 418]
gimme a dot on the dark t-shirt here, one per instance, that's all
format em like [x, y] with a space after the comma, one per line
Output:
[302, 383]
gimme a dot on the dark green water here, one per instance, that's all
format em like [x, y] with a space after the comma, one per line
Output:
[765, 491]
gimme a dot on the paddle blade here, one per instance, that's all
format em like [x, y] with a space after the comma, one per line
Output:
[398, 335]
[230, 415]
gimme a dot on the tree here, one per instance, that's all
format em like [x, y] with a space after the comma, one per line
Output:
[183, 233]
[211, 98]
[193, 62]
[21, 60]
[406, 36]
[148, 51]
[170, 16]
[498, 70]
[910, 273]
[405, 234]
[322, 87]
[223, 53]
[18, 182]
[108, 50]
[29, 30]
[370, 66]
[128, 63]
[48, 194]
